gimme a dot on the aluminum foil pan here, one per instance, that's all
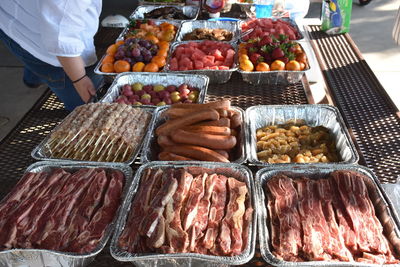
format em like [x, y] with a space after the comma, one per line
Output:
[43, 257]
[151, 148]
[198, 81]
[273, 77]
[190, 11]
[240, 172]
[292, 22]
[216, 76]
[314, 115]
[189, 26]
[40, 151]
[383, 208]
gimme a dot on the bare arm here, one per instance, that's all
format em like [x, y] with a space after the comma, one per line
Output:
[74, 67]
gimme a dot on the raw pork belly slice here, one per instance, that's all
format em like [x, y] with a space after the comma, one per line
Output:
[48, 209]
[336, 220]
[191, 210]
[338, 248]
[286, 200]
[178, 239]
[217, 211]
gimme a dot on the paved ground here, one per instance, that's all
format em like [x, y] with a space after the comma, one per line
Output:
[371, 29]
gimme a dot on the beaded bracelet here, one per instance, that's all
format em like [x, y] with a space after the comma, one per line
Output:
[79, 78]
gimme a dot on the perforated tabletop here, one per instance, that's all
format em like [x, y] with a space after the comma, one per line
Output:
[358, 95]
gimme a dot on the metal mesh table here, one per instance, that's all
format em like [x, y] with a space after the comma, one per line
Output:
[369, 113]
[359, 96]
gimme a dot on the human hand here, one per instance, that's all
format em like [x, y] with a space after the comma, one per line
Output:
[85, 88]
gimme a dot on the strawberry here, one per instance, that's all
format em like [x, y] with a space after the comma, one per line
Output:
[277, 53]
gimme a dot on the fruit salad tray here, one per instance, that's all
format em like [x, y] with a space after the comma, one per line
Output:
[253, 28]
[151, 89]
[215, 59]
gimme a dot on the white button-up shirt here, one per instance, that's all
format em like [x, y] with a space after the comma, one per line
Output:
[50, 28]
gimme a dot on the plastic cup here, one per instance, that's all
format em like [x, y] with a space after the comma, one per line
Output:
[263, 11]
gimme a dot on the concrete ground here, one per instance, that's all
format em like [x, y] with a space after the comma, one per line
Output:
[371, 28]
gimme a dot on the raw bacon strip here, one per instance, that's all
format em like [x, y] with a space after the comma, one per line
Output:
[274, 221]
[157, 205]
[217, 211]
[82, 214]
[29, 225]
[316, 236]
[57, 223]
[130, 238]
[281, 188]
[88, 239]
[234, 215]
[177, 238]
[16, 197]
[201, 220]
[247, 219]
[157, 238]
[343, 220]
[354, 195]
[196, 193]
[338, 247]
[9, 225]
[47, 221]
[18, 192]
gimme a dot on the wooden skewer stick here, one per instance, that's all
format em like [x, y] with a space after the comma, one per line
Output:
[81, 140]
[73, 138]
[102, 146]
[126, 151]
[61, 142]
[109, 154]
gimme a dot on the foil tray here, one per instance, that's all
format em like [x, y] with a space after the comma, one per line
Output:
[383, 207]
[40, 151]
[240, 172]
[151, 148]
[216, 76]
[109, 76]
[198, 81]
[190, 11]
[314, 115]
[273, 77]
[189, 26]
[43, 257]
[292, 22]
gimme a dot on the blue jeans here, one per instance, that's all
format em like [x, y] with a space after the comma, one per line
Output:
[37, 72]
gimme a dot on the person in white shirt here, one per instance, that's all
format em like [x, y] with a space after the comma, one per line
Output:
[54, 40]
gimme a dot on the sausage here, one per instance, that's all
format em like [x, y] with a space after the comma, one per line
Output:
[223, 113]
[231, 113]
[236, 121]
[223, 122]
[201, 115]
[222, 104]
[164, 140]
[208, 129]
[196, 153]
[167, 156]
[206, 140]
[174, 113]
[222, 152]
